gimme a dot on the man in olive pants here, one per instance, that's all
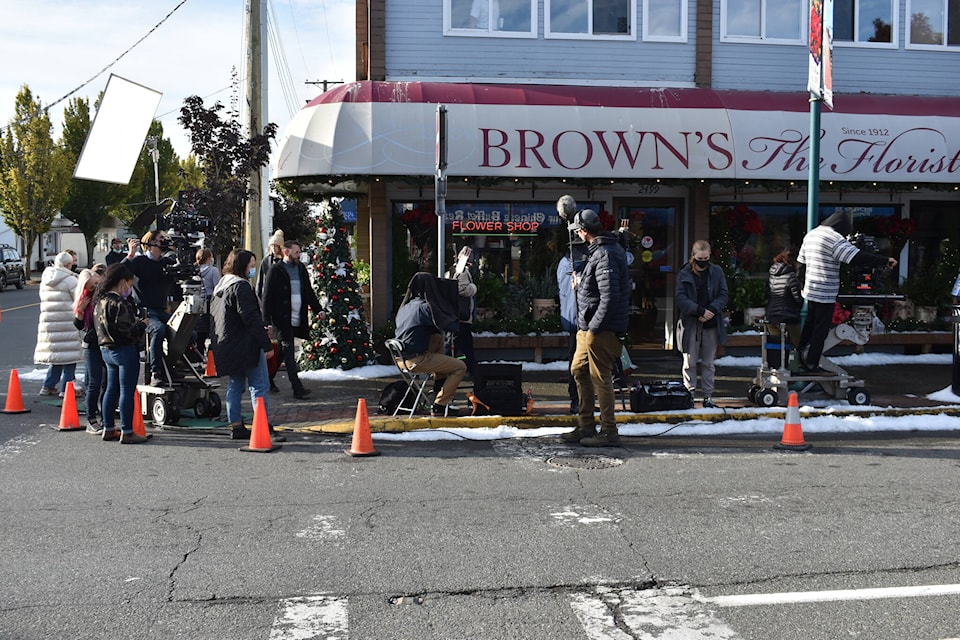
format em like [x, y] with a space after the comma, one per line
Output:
[603, 305]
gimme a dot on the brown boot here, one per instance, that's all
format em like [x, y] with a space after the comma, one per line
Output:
[578, 434]
[608, 437]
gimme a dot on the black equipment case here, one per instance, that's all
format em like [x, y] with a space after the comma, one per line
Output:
[500, 386]
[660, 395]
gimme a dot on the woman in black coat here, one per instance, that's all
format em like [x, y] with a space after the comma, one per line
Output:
[238, 337]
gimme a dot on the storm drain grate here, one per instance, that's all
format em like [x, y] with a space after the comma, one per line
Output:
[585, 462]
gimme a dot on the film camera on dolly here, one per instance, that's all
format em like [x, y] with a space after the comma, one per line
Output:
[183, 364]
[773, 381]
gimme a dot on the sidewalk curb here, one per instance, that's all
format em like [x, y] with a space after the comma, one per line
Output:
[400, 425]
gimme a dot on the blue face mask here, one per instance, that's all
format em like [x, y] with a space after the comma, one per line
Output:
[126, 294]
[251, 272]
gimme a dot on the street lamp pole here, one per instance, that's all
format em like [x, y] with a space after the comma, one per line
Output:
[155, 154]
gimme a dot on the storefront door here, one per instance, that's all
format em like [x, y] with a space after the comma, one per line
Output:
[657, 251]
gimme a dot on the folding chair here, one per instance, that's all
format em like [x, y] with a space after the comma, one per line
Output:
[416, 382]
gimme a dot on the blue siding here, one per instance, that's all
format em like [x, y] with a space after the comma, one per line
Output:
[897, 71]
[416, 49]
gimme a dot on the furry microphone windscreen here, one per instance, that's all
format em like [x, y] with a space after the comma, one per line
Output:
[566, 207]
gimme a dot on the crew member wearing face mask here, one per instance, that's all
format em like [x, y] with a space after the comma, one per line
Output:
[117, 253]
[152, 288]
[701, 297]
[119, 333]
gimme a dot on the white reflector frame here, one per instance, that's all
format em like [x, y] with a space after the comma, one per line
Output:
[118, 131]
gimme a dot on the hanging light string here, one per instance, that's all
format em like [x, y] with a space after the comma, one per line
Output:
[118, 58]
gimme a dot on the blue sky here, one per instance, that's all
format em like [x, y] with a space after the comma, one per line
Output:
[54, 46]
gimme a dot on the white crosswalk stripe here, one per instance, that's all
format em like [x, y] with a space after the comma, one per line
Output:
[664, 614]
[320, 617]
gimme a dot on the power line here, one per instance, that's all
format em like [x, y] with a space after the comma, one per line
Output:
[118, 58]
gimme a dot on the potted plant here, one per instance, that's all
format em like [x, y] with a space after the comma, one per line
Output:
[927, 291]
[543, 293]
[491, 294]
[361, 270]
[750, 296]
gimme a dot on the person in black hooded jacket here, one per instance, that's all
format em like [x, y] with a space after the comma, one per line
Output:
[426, 313]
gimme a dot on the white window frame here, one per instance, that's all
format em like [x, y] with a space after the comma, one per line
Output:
[802, 34]
[929, 47]
[551, 35]
[449, 30]
[894, 30]
[684, 28]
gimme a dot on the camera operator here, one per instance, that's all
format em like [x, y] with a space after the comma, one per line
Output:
[152, 287]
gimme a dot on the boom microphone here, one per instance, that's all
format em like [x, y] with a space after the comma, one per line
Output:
[566, 207]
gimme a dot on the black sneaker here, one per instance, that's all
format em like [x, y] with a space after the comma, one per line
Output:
[708, 403]
[439, 411]
[300, 395]
[239, 432]
[276, 437]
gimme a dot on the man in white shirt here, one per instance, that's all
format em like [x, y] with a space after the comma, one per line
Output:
[818, 267]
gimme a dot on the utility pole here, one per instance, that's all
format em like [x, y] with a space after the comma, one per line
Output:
[324, 83]
[256, 115]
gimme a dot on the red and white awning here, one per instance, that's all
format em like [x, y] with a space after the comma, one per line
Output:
[532, 131]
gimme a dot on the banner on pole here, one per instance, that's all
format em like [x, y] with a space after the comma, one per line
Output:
[820, 67]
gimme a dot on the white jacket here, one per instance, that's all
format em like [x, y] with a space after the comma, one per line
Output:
[58, 341]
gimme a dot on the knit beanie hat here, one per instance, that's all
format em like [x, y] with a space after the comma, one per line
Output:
[276, 238]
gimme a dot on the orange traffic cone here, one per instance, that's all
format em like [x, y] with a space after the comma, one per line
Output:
[139, 427]
[477, 403]
[69, 418]
[14, 397]
[362, 441]
[260, 440]
[211, 371]
[792, 439]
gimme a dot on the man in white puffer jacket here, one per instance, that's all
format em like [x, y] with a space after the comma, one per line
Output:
[58, 340]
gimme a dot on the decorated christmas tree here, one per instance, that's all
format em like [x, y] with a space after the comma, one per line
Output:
[340, 339]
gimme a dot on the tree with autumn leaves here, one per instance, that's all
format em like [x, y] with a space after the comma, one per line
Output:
[339, 337]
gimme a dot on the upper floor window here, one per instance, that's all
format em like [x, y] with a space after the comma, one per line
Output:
[665, 20]
[590, 18]
[934, 23]
[864, 21]
[498, 18]
[780, 21]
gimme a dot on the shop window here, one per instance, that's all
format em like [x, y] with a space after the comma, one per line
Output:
[665, 20]
[746, 237]
[776, 21]
[490, 18]
[933, 23]
[863, 21]
[590, 18]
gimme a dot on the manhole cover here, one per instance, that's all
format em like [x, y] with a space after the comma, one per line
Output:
[585, 462]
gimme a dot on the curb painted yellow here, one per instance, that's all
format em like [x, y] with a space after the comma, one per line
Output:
[401, 425]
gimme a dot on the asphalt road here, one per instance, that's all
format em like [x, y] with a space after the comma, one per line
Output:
[528, 539]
